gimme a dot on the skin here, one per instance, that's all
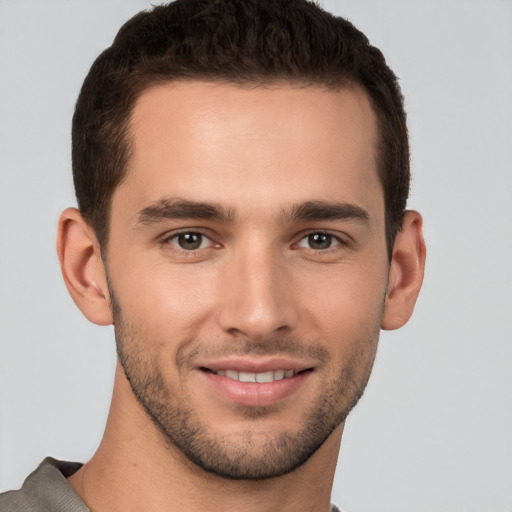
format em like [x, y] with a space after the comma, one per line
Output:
[256, 290]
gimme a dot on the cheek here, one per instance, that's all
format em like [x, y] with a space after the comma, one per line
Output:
[162, 300]
[345, 303]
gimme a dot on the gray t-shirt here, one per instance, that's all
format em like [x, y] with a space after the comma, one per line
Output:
[47, 490]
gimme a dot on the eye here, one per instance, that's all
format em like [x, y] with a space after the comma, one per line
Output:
[189, 241]
[319, 241]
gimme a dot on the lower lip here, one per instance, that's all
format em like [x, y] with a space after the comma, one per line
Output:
[256, 394]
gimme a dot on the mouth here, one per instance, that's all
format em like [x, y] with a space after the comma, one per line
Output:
[259, 377]
[252, 383]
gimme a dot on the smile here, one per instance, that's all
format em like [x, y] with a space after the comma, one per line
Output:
[255, 388]
[255, 381]
[269, 376]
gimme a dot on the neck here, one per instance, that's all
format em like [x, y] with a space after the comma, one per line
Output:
[135, 468]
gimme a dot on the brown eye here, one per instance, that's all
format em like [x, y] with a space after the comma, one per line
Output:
[189, 241]
[319, 241]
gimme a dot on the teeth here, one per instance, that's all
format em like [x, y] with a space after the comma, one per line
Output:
[247, 377]
[279, 375]
[265, 377]
[269, 376]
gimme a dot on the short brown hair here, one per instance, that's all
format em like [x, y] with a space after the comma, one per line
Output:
[232, 41]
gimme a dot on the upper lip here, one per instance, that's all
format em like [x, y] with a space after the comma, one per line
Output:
[256, 365]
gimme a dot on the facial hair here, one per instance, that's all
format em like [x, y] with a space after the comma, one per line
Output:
[246, 456]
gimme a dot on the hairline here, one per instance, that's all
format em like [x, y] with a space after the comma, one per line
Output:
[143, 86]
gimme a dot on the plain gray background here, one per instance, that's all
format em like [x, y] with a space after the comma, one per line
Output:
[434, 429]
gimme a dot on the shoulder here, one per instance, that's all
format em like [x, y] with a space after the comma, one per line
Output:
[45, 489]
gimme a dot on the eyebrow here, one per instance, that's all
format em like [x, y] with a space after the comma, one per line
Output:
[322, 210]
[168, 209]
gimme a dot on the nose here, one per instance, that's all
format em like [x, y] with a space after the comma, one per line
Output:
[257, 296]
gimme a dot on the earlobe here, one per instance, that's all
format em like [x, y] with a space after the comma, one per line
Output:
[82, 267]
[406, 273]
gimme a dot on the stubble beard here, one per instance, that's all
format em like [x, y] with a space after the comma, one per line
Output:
[245, 456]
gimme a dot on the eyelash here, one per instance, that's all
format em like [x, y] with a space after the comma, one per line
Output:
[167, 240]
[340, 243]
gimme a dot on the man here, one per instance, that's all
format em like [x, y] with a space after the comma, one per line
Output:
[242, 171]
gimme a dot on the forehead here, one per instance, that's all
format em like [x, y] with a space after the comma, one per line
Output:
[241, 145]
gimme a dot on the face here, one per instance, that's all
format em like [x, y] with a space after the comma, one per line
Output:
[247, 268]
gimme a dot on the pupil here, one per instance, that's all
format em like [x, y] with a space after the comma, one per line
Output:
[320, 241]
[189, 241]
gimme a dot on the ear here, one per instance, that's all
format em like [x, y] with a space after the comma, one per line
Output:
[82, 267]
[406, 272]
